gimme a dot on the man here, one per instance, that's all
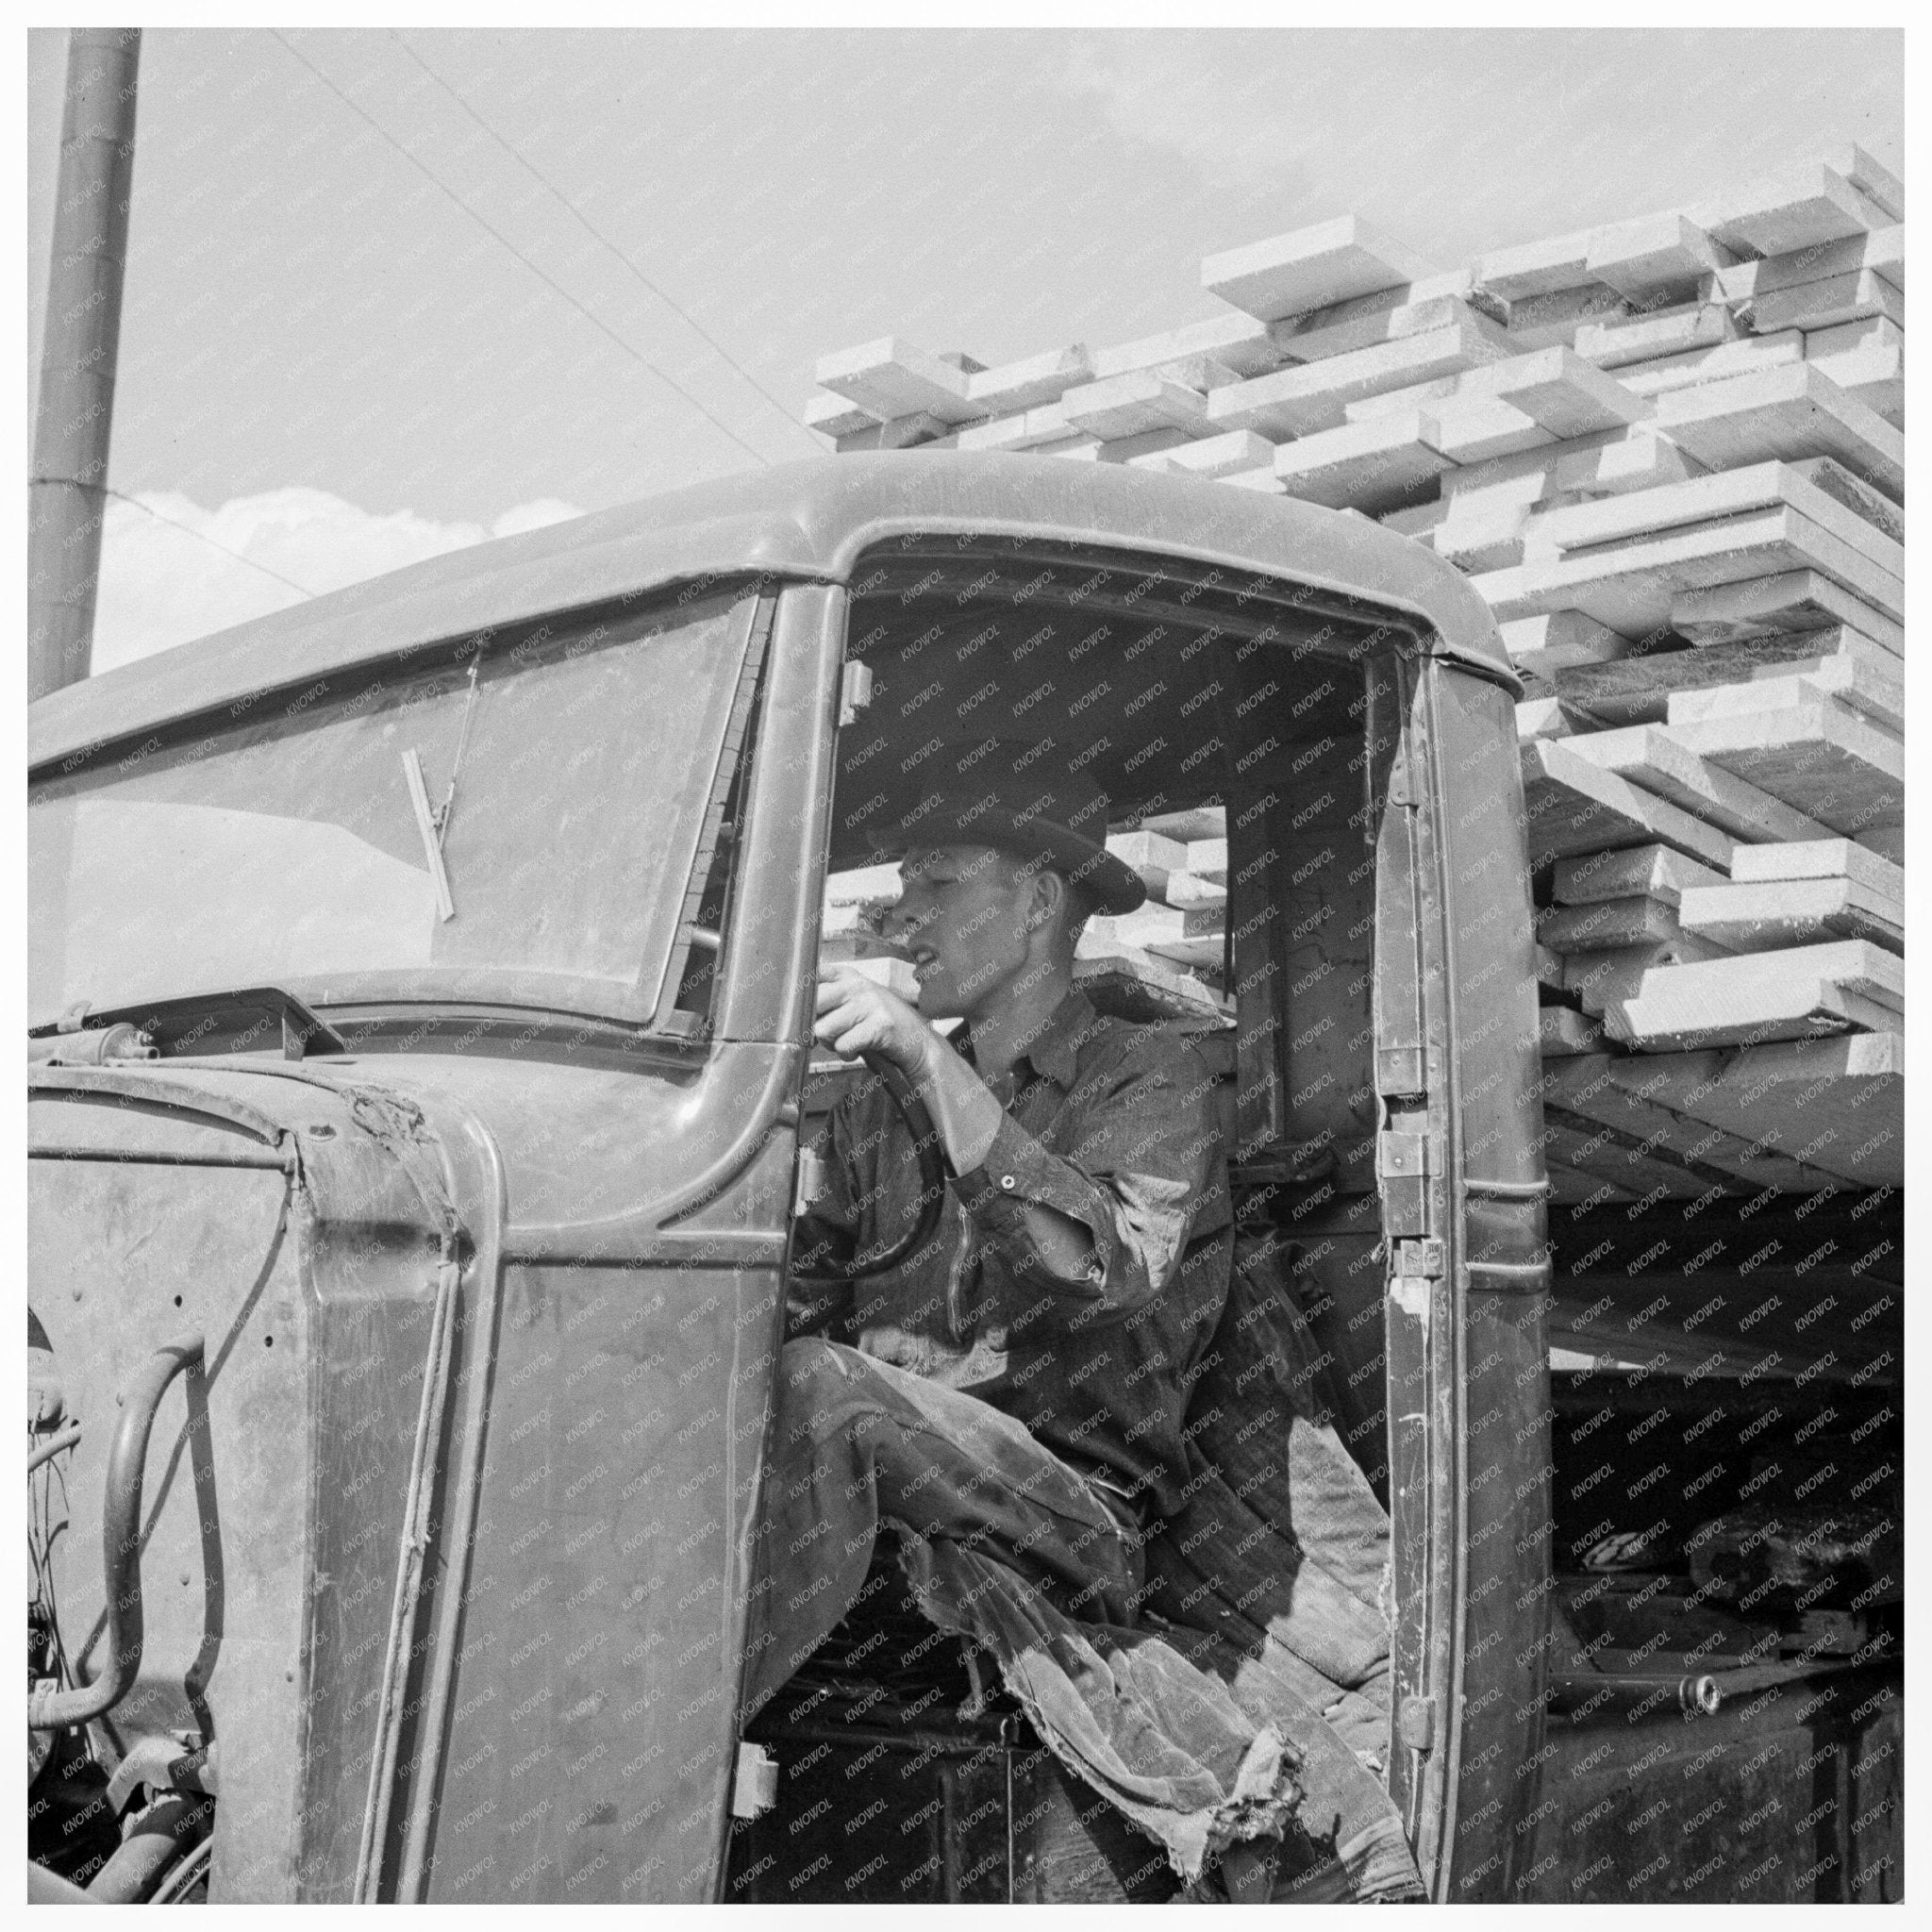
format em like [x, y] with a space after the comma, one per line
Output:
[1014, 1393]
[1020, 1382]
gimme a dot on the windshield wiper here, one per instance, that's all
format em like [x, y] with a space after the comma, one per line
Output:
[433, 827]
[425, 825]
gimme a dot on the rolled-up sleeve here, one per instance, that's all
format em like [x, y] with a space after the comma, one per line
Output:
[1137, 1177]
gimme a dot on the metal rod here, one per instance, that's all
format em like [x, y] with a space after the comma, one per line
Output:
[67, 492]
[121, 1546]
[47, 1451]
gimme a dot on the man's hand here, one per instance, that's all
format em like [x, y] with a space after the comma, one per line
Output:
[856, 1015]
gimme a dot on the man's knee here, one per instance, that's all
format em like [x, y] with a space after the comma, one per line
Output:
[813, 1376]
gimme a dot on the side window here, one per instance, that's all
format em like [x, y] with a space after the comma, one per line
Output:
[707, 905]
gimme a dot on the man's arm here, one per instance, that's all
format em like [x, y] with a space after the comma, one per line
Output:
[1105, 1224]
[1139, 1181]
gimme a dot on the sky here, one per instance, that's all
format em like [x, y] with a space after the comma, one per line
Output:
[362, 323]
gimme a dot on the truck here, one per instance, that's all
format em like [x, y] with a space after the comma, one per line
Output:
[419, 1070]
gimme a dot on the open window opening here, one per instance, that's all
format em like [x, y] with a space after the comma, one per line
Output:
[1244, 736]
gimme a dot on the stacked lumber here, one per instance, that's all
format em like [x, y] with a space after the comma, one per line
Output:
[1174, 946]
[1669, 454]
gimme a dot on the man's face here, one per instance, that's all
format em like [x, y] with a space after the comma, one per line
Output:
[961, 916]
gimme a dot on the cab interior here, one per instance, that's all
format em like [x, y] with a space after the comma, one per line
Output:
[1194, 701]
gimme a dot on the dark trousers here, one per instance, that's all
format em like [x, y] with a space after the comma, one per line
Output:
[855, 1439]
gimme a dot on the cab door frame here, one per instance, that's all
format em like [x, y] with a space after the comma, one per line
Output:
[1459, 1168]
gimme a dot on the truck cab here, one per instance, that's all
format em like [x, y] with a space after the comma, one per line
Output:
[421, 985]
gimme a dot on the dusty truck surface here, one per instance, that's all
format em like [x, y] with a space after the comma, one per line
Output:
[419, 1065]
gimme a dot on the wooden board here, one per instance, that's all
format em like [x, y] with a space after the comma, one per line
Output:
[1760, 917]
[1872, 372]
[1806, 207]
[1311, 396]
[1847, 678]
[1754, 998]
[1825, 304]
[1882, 250]
[1634, 586]
[1667, 764]
[1026, 384]
[1197, 822]
[1475, 428]
[1643, 690]
[1801, 600]
[1860, 498]
[1562, 1030]
[1393, 402]
[1819, 758]
[1038, 429]
[1601, 924]
[1784, 413]
[1552, 321]
[1625, 1094]
[1543, 718]
[1733, 493]
[836, 416]
[1822, 858]
[1208, 858]
[1239, 343]
[1654, 872]
[1375, 465]
[1192, 936]
[1631, 458]
[1590, 1164]
[1213, 456]
[1643, 258]
[1310, 268]
[1560, 641]
[1722, 362]
[1383, 317]
[1601, 980]
[1153, 855]
[1537, 268]
[1836, 1104]
[890, 378]
[1644, 338]
[1561, 391]
[1572, 805]
[1133, 404]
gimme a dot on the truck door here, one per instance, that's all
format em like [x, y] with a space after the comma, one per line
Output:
[595, 1737]
[1460, 1176]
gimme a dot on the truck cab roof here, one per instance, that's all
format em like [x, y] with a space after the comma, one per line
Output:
[807, 522]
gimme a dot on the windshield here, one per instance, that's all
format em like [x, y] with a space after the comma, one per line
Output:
[511, 822]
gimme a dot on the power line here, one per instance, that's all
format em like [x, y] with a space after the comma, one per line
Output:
[583, 221]
[121, 496]
[430, 174]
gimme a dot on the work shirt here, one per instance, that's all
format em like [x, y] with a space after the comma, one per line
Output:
[1111, 1124]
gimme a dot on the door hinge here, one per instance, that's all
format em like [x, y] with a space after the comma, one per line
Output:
[1415, 1723]
[1399, 1073]
[855, 691]
[1401, 1176]
[755, 1787]
[1424, 1259]
[810, 1183]
[1404, 1156]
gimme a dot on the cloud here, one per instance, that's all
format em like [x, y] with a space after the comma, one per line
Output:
[1225, 113]
[165, 579]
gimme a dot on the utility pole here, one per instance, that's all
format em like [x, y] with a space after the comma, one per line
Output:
[67, 492]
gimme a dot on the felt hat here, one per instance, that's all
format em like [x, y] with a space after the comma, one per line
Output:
[1020, 798]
